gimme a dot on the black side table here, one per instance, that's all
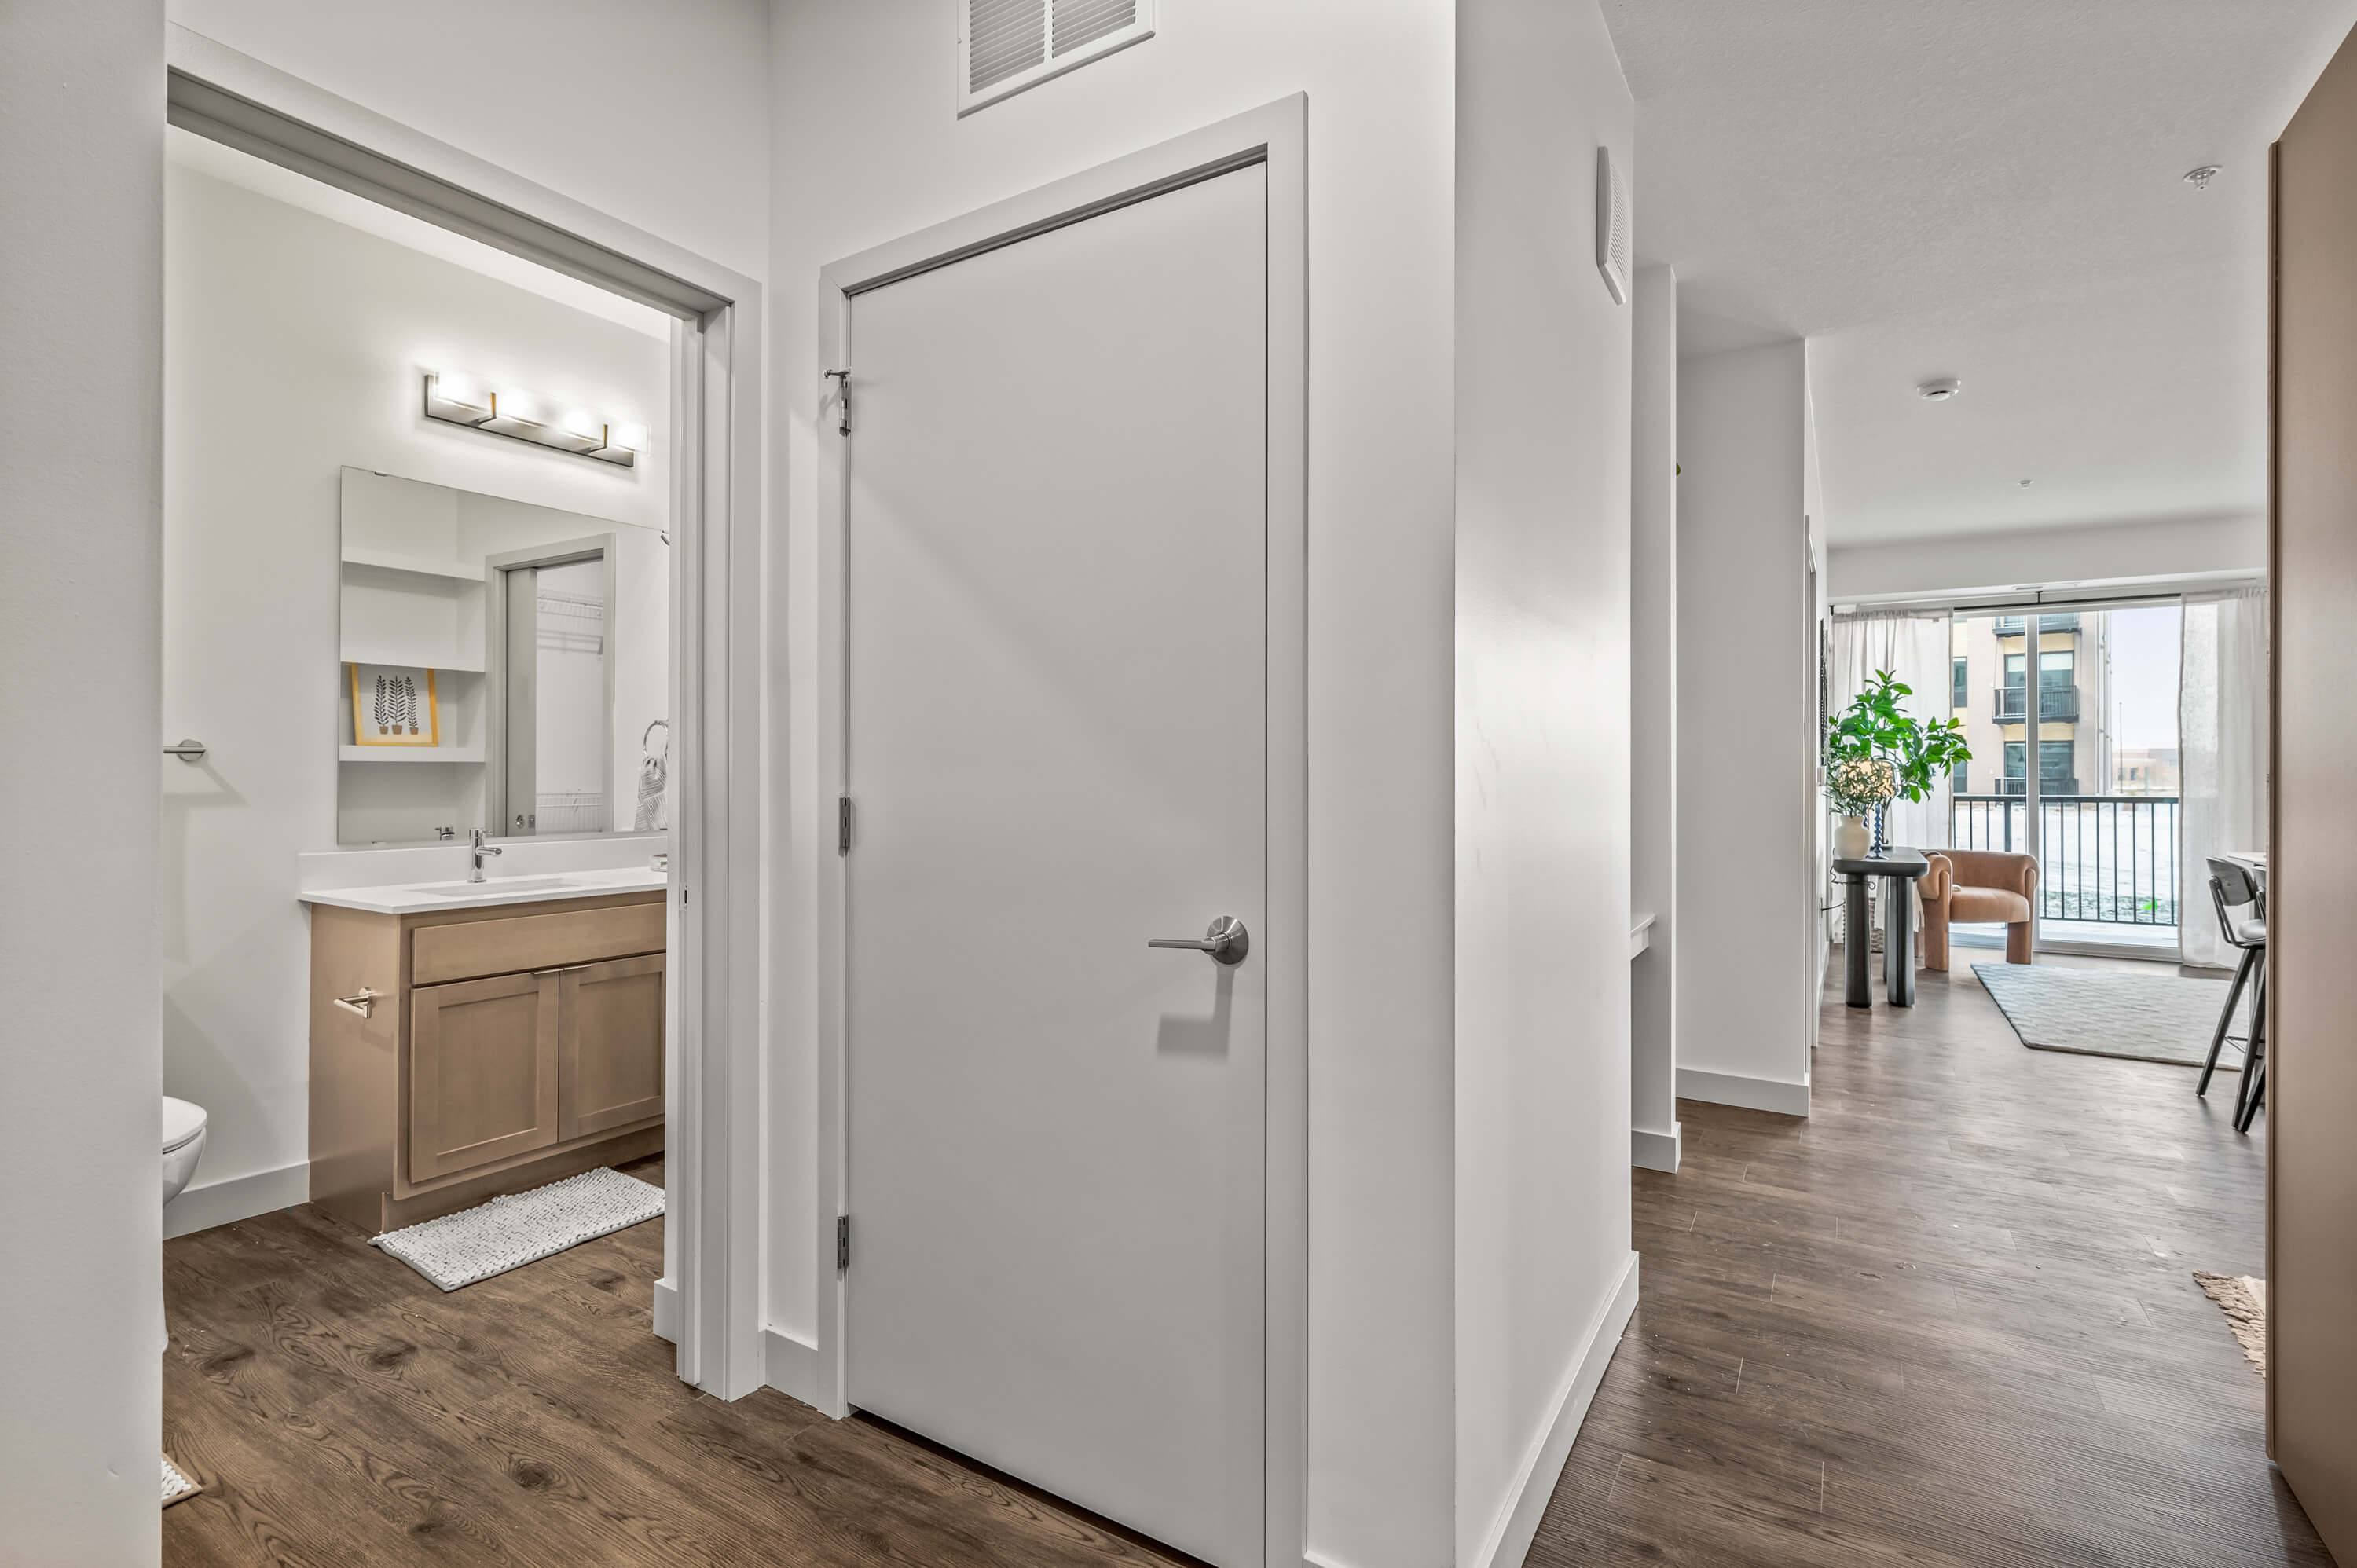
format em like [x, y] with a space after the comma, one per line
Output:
[1897, 867]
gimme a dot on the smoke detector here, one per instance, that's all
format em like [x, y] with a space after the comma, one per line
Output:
[1939, 391]
[2199, 179]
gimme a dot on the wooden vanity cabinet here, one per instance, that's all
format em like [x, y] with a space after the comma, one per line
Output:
[502, 1049]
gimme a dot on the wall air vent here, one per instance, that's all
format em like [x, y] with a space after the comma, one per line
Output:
[1611, 227]
[1005, 46]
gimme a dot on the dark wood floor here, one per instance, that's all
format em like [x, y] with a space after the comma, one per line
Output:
[340, 1411]
[1949, 1319]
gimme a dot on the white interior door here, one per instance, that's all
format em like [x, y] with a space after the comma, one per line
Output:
[1056, 747]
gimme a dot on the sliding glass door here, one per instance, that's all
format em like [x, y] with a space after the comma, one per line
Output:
[2099, 809]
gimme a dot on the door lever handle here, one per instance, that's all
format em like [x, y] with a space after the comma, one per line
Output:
[1226, 942]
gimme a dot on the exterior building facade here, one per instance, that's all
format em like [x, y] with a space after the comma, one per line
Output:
[1990, 692]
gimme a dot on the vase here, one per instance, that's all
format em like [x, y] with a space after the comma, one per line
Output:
[1850, 839]
[1881, 843]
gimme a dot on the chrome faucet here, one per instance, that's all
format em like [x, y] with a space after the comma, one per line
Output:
[480, 849]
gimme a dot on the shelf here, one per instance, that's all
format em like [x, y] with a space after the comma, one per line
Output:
[441, 662]
[416, 565]
[409, 753]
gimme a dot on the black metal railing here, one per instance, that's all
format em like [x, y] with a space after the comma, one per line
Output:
[2057, 703]
[2016, 626]
[2108, 859]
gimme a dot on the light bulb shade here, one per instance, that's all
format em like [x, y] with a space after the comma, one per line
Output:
[457, 398]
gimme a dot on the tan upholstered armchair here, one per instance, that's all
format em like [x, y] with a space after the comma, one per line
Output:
[1975, 886]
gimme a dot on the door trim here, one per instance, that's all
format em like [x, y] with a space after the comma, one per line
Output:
[713, 1173]
[496, 672]
[1275, 137]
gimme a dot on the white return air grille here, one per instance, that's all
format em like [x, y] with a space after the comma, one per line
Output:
[1005, 46]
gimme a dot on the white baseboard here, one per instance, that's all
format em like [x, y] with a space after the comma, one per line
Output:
[789, 1365]
[666, 1311]
[1655, 1151]
[226, 1202]
[1509, 1540]
[1751, 1094]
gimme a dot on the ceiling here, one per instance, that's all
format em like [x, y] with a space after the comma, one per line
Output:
[1992, 191]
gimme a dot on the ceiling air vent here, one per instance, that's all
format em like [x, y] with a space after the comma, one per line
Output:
[1005, 46]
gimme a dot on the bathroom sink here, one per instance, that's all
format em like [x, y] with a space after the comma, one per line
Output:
[507, 886]
[413, 897]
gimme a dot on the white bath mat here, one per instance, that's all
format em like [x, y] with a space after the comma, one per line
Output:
[523, 1228]
[176, 1484]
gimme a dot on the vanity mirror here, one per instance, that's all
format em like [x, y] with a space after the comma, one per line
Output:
[505, 666]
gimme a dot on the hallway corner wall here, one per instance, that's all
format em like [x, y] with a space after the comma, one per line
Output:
[1544, 1272]
[1652, 718]
[1745, 697]
[81, 334]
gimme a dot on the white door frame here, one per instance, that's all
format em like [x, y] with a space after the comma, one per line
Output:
[1274, 136]
[709, 1304]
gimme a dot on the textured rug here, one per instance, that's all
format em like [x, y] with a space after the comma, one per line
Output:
[2244, 1299]
[523, 1228]
[177, 1486]
[2115, 1013]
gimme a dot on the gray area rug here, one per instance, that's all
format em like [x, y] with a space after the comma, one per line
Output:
[523, 1228]
[2115, 1013]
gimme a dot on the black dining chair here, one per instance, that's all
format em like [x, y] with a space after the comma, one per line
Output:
[2243, 921]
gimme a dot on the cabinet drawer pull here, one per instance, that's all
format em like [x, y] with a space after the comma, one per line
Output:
[361, 1003]
[568, 968]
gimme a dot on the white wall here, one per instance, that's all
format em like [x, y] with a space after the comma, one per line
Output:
[294, 346]
[1543, 760]
[80, 332]
[2002, 559]
[1652, 703]
[655, 114]
[1745, 686]
[867, 148]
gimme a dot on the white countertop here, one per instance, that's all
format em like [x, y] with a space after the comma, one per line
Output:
[429, 897]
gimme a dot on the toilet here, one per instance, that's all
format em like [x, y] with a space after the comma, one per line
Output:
[184, 1143]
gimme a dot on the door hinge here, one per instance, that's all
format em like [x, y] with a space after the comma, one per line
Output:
[842, 824]
[842, 401]
[841, 1243]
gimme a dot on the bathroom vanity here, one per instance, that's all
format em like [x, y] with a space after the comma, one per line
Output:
[469, 1040]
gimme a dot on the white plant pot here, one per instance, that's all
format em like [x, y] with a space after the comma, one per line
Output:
[1851, 841]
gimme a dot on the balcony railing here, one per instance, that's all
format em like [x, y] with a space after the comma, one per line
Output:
[2016, 626]
[2108, 859]
[2057, 703]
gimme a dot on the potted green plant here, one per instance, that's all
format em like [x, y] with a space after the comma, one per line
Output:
[1876, 745]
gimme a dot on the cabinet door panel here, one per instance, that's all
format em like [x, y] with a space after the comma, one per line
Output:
[613, 1052]
[482, 1072]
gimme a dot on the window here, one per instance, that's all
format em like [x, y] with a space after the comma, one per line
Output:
[2054, 775]
[1962, 695]
[2016, 668]
[2054, 669]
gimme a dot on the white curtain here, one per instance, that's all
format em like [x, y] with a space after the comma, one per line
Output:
[2221, 725]
[1914, 645]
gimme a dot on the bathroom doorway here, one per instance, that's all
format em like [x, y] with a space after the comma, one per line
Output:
[389, 202]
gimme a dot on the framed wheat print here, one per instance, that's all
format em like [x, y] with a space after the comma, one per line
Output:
[392, 704]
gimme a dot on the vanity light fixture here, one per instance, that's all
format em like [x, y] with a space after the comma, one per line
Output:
[471, 401]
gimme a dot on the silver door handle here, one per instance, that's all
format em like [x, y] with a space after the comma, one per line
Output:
[1226, 940]
[361, 1004]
